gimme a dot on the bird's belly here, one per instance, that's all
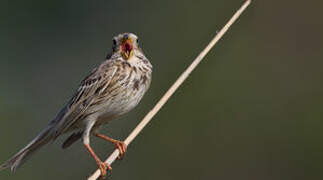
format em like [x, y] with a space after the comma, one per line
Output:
[119, 105]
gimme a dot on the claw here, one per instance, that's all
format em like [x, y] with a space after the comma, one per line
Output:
[122, 147]
[104, 167]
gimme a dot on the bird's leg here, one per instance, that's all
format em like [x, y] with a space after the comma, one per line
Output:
[86, 141]
[101, 165]
[121, 146]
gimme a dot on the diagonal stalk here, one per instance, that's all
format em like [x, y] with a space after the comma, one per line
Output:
[174, 87]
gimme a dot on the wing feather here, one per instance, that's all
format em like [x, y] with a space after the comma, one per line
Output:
[93, 84]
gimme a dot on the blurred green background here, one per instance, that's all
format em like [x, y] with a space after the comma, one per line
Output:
[251, 110]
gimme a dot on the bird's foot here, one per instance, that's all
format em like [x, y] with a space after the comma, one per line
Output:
[104, 167]
[122, 147]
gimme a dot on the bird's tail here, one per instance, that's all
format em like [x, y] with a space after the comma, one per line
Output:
[18, 159]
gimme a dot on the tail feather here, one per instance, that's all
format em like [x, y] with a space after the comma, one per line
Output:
[23, 155]
[72, 139]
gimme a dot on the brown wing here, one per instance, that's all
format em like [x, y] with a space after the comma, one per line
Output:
[76, 108]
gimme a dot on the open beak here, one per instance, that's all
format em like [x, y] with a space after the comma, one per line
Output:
[127, 48]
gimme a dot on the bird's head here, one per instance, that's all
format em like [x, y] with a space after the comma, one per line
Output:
[125, 43]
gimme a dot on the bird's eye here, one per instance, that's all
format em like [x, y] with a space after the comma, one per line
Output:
[137, 40]
[114, 42]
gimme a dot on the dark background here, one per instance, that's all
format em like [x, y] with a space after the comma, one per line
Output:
[251, 110]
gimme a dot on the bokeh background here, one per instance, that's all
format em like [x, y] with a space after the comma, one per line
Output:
[251, 110]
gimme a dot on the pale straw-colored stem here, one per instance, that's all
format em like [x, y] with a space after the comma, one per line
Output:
[173, 88]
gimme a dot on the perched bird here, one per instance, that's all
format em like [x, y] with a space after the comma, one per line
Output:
[110, 90]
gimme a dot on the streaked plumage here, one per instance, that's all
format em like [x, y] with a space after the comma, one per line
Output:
[112, 89]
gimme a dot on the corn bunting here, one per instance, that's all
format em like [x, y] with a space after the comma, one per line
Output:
[110, 90]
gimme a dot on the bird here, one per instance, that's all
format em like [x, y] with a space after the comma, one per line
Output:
[112, 89]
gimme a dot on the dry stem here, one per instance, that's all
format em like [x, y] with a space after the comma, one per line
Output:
[173, 88]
